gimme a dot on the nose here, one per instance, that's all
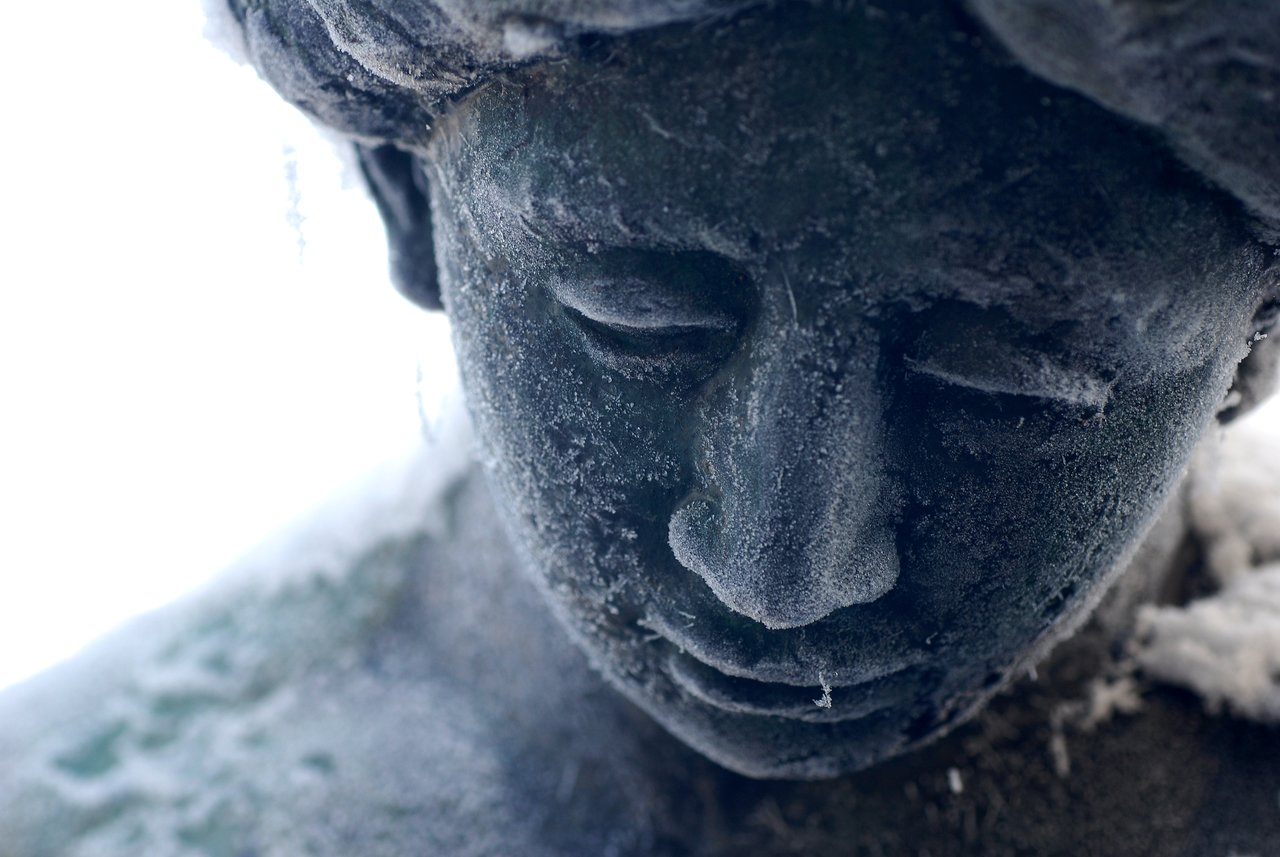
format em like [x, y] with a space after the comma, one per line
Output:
[792, 521]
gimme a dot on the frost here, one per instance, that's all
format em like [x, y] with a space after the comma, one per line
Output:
[1018, 374]
[1170, 80]
[525, 39]
[825, 700]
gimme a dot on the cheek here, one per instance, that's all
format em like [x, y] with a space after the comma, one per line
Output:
[1026, 514]
[586, 465]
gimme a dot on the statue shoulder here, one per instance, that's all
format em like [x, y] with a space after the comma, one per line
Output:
[377, 677]
[168, 736]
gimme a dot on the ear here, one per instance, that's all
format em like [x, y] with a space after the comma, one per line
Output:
[399, 189]
[1258, 373]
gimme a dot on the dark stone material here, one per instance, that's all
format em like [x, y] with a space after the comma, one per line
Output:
[828, 362]
[827, 356]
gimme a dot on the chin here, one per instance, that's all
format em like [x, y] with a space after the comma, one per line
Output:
[765, 747]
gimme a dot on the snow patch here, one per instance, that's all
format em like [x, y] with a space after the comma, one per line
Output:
[1235, 496]
[524, 39]
[223, 31]
[1225, 647]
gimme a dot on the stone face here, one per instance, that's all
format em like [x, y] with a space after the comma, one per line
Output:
[801, 379]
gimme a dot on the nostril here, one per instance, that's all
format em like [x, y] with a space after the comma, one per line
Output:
[772, 574]
[755, 589]
[693, 534]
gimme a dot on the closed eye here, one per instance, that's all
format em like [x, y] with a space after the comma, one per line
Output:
[645, 335]
[633, 348]
[1028, 376]
[653, 313]
[988, 352]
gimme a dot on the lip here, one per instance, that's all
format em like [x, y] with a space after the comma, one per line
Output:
[769, 699]
[732, 679]
[785, 659]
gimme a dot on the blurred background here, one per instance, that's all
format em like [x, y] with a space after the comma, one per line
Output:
[197, 336]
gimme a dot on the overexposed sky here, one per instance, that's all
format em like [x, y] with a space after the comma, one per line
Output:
[197, 336]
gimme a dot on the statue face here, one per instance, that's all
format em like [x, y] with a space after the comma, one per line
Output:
[827, 366]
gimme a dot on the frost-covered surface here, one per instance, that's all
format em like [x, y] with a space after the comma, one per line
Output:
[1226, 646]
[778, 500]
[1203, 72]
[382, 68]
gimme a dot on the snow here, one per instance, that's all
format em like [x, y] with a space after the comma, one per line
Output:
[1235, 501]
[523, 39]
[223, 31]
[1226, 646]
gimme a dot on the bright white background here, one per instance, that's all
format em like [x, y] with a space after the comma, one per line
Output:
[197, 340]
[197, 337]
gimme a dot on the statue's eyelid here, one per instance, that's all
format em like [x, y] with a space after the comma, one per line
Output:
[641, 300]
[1032, 378]
[634, 333]
[672, 322]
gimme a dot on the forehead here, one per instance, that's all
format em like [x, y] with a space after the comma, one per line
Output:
[898, 156]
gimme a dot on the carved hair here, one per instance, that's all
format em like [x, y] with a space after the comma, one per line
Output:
[379, 70]
[1203, 73]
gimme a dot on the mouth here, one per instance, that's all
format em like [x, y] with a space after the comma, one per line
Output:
[770, 684]
[823, 703]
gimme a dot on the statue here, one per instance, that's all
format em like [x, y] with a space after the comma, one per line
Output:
[827, 362]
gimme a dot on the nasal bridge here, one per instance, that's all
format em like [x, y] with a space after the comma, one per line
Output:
[791, 523]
